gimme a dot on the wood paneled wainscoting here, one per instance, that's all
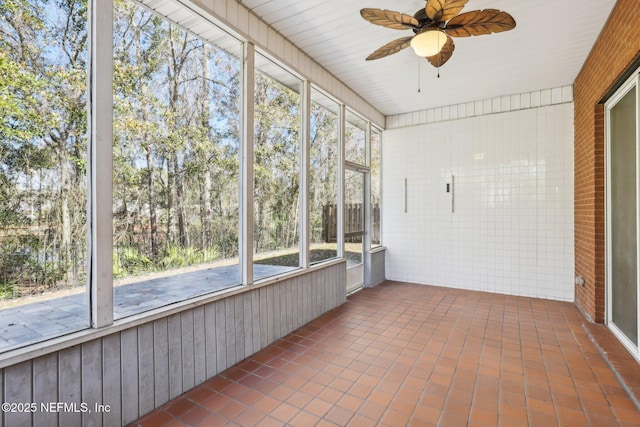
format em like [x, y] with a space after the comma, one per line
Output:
[113, 376]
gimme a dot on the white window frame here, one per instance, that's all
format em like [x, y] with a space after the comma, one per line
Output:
[100, 164]
[379, 132]
[99, 281]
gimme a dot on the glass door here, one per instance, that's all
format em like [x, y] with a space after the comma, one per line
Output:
[354, 227]
[622, 215]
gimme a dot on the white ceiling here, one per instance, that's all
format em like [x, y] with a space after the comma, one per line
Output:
[546, 49]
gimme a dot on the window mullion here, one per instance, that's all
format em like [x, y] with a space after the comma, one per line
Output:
[246, 164]
[305, 156]
[341, 167]
[367, 190]
[100, 169]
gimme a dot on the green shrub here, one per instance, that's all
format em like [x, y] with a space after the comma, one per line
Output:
[175, 256]
[128, 260]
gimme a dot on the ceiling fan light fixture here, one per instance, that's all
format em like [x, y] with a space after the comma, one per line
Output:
[428, 43]
[434, 26]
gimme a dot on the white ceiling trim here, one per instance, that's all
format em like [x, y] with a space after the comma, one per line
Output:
[500, 104]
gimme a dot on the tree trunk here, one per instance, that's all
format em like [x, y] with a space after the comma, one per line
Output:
[152, 204]
[169, 194]
[183, 238]
[205, 211]
[63, 194]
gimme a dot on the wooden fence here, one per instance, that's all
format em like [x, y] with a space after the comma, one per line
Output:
[353, 217]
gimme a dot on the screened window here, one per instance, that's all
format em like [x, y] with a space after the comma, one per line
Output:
[43, 155]
[355, 142]
[176, 162]
[276, 170]
[174, 192]
[323, 197]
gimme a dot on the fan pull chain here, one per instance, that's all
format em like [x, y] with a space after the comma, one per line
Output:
[439, 55]
[418, 75]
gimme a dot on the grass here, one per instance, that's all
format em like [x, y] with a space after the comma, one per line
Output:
[293, 259]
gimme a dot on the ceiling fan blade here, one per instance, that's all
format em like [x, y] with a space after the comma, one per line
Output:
[390, 48]
[444, 55]
[389, 19]
[480, 22]
[443, 10]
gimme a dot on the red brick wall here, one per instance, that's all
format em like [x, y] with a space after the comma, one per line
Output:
[615, 50]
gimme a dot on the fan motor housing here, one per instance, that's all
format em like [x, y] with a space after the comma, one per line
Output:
[425, 21]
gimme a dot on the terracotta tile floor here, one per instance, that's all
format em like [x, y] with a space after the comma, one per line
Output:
[403, 354]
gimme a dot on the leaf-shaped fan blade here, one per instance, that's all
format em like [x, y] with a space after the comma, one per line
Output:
[443, 56]
[389, 19]
[390, 48]
[480, 22]
[443, 10]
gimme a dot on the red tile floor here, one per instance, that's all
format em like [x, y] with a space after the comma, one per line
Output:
[404, 354]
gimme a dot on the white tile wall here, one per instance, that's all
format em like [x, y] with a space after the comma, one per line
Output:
[512, 230]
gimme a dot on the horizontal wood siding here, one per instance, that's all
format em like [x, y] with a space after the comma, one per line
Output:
[139, 369]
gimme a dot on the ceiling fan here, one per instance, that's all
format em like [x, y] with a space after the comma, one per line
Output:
[433, 27]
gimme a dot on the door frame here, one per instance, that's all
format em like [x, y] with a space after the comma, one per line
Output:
[632, 84]
[355, 273]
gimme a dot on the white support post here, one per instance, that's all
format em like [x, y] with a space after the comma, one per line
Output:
[367, 192]
[305, 159]
[99, 168]
[341, 167]
[380, 188]
[246, 165]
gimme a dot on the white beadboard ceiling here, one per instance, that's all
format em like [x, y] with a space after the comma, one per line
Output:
[546, 49]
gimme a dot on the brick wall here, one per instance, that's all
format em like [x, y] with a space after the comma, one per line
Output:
[613, 54]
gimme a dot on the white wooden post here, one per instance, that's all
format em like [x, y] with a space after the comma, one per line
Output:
[246, 164]
[305, 159]
[100, 168]
[341, 160]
